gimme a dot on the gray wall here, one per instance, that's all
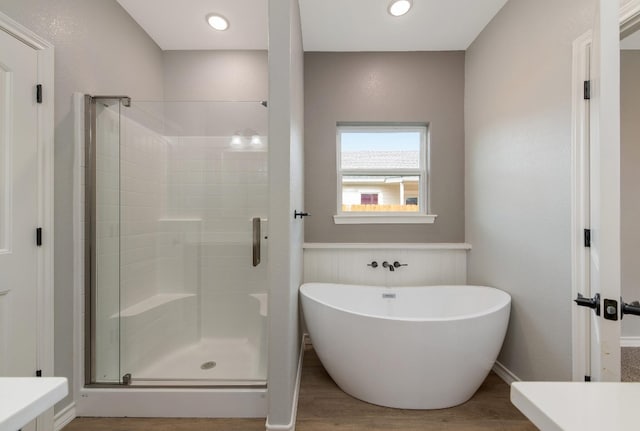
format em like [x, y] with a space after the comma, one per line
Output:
[518, 166]
[216, 75]
[227, 76]
[286, 176]
[99, 49]
[383, 87]
[629, 181]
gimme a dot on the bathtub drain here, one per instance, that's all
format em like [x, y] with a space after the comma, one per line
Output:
[208, 365]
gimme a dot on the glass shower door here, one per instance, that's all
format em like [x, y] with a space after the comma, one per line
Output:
[193, 306]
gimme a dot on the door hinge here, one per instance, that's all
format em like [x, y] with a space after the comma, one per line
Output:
[587, 237]
[39, 93]
[39, 237]
[38, 373]
[587, 90]
[587, 378]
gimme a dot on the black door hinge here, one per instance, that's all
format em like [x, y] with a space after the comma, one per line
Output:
[38, 373]
[39, 236]
[587, 90]
[587, 378]
[587, 237]
[39, 93]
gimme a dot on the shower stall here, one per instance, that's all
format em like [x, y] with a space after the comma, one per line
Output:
[176, 199]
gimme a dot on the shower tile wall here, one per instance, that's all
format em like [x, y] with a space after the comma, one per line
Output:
[159, 255]
[225, 187]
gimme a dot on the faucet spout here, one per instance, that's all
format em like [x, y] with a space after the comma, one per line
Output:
[386, 264]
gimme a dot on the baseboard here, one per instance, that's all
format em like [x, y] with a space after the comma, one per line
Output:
[629, 341]
[291, 426]
[504, 373]
[64, 417]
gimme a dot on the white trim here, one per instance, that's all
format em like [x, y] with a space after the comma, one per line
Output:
[383, 218]
[64, 417]
[78, 244]
[629, 341]
[291, 426]
[629, 14]
[504, 373]
[386, 246]
[580, 207]
[44, 263]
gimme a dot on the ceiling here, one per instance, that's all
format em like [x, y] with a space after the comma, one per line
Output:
[182, 25]
[365, 25]
[327, 25]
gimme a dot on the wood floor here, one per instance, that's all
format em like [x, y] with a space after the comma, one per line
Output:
[322, 406]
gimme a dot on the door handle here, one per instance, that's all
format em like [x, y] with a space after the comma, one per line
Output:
[632, 308]
[593, 303]
[256, 241]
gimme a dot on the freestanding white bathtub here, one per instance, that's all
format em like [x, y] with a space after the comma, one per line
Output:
[407, 347]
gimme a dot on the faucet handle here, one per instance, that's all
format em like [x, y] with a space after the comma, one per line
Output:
[397, 264]
[373, 264]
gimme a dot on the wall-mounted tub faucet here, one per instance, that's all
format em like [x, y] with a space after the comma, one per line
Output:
[393, 266]
[373, 264]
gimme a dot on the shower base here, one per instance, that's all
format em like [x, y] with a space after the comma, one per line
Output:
[210, 362]
[176, 386]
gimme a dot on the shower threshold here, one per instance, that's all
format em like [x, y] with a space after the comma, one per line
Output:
[139, 383]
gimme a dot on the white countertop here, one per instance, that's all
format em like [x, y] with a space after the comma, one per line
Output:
[22, 399]
[578, 406]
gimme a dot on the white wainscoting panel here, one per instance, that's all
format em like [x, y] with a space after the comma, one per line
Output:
[427, 264]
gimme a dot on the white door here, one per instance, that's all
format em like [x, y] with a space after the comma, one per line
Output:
[18, 207]
[605, 192]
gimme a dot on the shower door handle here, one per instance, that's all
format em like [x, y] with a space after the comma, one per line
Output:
[256, 241]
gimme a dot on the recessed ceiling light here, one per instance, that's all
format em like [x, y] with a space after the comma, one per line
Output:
[217, 21]
[399, 7]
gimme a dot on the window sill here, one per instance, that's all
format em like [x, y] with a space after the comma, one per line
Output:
[384, 219]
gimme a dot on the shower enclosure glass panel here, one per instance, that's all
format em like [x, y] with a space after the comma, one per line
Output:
[103, 204]
[192, 306]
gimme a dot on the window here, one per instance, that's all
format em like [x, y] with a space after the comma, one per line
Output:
[382, 173]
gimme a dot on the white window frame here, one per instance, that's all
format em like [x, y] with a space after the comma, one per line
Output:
[424, 192]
